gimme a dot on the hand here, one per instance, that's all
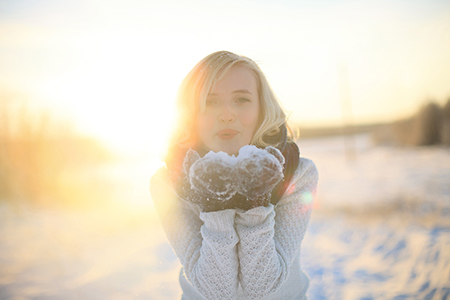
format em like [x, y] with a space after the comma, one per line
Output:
[258, 171]
[184, 185]
[210, 181]
[212, 176]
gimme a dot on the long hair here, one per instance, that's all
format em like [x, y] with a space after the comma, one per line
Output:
[193, 91]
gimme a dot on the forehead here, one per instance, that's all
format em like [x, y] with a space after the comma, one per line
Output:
[236, 78]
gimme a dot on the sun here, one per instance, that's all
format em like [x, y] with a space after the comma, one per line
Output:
[123, 90]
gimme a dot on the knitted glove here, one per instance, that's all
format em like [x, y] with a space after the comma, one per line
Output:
[258, 171]
[211, 179]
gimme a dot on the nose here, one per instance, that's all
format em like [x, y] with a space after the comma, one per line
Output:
[227, 114]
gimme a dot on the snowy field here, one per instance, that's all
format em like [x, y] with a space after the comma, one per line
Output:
[382, 226]
[380, 230]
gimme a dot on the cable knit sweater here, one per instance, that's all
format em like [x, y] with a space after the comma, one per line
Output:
[237, 254]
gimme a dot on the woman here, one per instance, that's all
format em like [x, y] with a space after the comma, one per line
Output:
[235, 197]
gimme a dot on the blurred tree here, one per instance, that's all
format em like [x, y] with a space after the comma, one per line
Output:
[445, 129]
[426, 129]
[43, 162]
[402, 131]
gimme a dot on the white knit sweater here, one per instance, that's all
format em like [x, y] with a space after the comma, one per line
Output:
[237, 254]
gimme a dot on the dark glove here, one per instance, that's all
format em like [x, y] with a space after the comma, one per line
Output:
[211, 181]
[184, 185]
[258, 171]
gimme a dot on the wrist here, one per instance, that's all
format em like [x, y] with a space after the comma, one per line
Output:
[255, 216]
[219, 221]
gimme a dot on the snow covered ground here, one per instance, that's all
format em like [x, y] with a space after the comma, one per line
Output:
[380, 230]
[382, 226]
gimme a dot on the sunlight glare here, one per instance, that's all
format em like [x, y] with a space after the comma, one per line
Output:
[123, 91]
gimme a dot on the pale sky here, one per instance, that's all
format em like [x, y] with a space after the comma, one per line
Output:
[113, 67]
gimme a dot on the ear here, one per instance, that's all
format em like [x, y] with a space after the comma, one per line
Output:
[277, 153]
[191, 157]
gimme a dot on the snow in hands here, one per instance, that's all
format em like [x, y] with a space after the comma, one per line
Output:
[253, 173]
[212, 176]
[258, 171]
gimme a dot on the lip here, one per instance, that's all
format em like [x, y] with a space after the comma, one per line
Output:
[227, 134]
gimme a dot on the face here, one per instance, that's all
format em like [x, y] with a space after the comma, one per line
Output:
[232, 110]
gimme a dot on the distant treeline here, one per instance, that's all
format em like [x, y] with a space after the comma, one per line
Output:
[44, 162]
[429, 126]
[317, 132]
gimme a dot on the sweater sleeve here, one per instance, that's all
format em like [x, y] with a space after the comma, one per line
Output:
[205, 242]
[270, 237]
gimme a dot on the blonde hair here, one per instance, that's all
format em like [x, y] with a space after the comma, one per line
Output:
[195, 87]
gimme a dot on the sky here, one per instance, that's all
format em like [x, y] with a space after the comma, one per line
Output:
[113, 67]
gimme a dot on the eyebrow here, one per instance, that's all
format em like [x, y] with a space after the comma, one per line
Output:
[235, 92]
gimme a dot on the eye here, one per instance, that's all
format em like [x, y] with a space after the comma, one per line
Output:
[242, 100]
[210, 102]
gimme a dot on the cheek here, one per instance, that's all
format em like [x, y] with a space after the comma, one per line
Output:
[251, 118]
[205, 125]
